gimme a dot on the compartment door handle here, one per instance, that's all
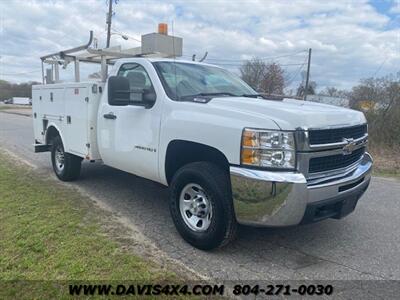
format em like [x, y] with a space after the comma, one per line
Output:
[110, 116]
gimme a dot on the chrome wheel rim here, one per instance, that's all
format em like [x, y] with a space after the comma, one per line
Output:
[195, 207]
[59, 159]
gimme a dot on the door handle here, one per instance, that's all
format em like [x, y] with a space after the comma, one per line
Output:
[110, 116]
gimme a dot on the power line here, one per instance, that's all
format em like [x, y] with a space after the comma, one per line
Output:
[295, 73]
[286, 55]
[21, 73]
[238, 65]
[261, 58]
[380, 67]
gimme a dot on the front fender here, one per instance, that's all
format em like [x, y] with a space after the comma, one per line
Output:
[200, 123]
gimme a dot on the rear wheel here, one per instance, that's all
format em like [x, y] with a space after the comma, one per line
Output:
[66, 165]
[201, 205]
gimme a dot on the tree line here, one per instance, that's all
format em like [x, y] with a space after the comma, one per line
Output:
[9, 90]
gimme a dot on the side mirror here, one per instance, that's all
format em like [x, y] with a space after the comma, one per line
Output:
[118, 91]
[149, 98]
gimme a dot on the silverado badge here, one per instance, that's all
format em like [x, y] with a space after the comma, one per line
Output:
[349, 147]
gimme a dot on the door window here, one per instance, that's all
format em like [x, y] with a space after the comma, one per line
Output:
[139, 81]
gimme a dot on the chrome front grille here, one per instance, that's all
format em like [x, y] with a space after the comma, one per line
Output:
[324, 153]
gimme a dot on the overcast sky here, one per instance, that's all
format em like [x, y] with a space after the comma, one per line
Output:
[349, 39]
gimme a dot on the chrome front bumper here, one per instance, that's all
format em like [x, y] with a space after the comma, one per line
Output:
[265, 198]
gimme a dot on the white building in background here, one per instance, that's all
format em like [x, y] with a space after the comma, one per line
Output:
[338, 101]
[21, 100]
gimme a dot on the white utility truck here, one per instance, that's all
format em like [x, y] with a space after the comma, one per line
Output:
[21, 100]
[229, 155]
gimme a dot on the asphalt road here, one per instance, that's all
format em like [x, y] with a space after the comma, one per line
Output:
[365, 245]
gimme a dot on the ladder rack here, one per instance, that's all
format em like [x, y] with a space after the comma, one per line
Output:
[153, 44]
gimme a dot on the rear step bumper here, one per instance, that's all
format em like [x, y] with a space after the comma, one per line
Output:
[38, 147]
[265, 198]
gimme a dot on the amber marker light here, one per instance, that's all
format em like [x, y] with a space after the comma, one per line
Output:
[250, 139]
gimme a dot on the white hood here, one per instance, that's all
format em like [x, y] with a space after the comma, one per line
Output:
[290, 114]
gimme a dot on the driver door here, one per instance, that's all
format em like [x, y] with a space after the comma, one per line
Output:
[128, 134]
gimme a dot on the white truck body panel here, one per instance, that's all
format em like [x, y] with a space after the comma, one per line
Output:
[121, 141]
[72, 109]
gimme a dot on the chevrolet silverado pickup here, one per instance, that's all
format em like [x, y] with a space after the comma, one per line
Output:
[228, 154]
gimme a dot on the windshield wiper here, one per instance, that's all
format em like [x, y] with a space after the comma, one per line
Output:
[221, 94]
[251, 95]
[230, 94]
[209, 94]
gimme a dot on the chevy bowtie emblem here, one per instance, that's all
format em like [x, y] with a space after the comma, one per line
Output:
[349, 147]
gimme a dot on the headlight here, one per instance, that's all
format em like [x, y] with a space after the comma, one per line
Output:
[270, 149]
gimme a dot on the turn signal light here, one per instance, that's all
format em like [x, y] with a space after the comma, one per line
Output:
[250, 139]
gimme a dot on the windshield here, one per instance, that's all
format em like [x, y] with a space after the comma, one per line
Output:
[186, 80]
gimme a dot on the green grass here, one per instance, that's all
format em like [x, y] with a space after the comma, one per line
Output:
[51, 232]
[395, 173]
[12, 106]
[386, 161]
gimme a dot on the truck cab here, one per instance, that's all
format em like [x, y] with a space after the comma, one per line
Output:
[228, 154]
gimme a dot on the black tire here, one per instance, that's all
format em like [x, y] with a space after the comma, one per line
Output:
[72, 164]
[216, 185]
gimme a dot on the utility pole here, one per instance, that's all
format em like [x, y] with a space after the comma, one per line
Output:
[308, 74]
[108, 22]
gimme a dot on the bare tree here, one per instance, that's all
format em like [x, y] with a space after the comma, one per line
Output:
[253, 72]
[383, 95]
[334, 92]
[311, 89]
[263, 77]
[273, 81]
[330, 91]
[375, 90]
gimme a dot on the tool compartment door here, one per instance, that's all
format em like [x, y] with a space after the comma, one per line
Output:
[76, 120]
[38, 129]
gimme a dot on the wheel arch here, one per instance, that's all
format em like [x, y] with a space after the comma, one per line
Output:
[182, 152]
[52, 131]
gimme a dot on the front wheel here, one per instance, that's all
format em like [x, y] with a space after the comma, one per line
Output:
[66, 165]
[201, 205]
